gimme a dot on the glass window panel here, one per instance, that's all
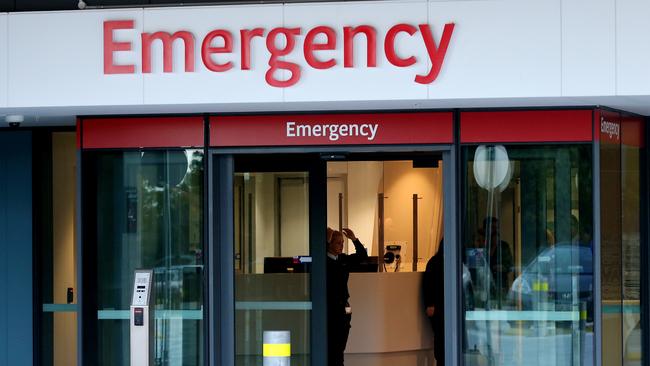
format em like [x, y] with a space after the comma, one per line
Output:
[150, 216]
[631, 246]
[611, 252]
[272, 264]
[527, 255]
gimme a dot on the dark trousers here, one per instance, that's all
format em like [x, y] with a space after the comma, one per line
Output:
[438, 327]
[337, 338]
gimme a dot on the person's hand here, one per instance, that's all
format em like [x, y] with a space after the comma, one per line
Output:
[349, 234]
[430, 311]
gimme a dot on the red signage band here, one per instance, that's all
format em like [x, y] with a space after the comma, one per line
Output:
[107, 133]
[217, 44]
[332, 129]
[526, 126]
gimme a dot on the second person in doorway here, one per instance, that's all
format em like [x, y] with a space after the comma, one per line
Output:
[433, 289]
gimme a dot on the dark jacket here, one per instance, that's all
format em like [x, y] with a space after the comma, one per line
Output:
[338, 272]
[433, 282]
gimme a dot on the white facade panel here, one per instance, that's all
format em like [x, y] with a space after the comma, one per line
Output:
[3, 60]
[203, 85]
[383, 82]
[588, 47]
[632, 47]
[499, 49]
[57, 59]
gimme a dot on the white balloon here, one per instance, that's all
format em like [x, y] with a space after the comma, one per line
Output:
[492, 168]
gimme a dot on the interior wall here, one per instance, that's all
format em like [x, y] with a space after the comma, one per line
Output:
[63, 215]
[294, 215]
[336, 185]
[401, 182]
[281, 216]
[398, 180]
[264, 227]
[365, 181]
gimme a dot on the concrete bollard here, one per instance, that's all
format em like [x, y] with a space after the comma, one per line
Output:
[277, 348]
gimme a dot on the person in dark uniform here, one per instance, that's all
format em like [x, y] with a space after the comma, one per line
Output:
[433, 290]
[339, 312]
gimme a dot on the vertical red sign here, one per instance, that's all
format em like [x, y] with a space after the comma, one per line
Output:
[608, 127]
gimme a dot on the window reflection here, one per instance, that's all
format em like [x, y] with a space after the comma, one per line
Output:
[631, 248]
[527, 259]
[272, 266]
[149, 209]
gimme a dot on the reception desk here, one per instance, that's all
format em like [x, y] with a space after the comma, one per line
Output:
[388, 321]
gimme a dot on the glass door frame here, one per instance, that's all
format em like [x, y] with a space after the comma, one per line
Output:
[220, 221]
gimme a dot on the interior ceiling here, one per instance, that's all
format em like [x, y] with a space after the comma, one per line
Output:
[66, 116]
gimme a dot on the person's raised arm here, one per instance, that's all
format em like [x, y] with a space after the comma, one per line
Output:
[360, 251]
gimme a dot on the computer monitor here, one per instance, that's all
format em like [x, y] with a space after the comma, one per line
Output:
[298, 264]
[369, 265]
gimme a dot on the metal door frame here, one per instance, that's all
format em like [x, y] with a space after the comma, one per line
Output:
[221, 311]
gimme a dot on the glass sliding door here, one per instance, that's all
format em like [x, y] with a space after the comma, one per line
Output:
[273, 263]
[395, 209]
[527, 254]
[149, 215]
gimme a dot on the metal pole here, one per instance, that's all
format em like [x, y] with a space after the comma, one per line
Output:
[345, 248]
[380, 241]
[340, 212]
[250, 235]
[454, 312]
[415, 232]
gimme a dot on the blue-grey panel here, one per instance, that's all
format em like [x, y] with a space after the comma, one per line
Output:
[16, 308]
[4, 356]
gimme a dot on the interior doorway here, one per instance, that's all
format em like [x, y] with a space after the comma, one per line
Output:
[393, 203]
[407, 194]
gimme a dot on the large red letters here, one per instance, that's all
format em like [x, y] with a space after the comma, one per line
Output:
[320, 38]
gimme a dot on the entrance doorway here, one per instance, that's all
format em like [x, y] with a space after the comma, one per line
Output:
[282, 206]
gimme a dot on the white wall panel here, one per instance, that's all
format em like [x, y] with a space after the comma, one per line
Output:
[360, 82]
[588, 47]
[633, 47]
[56, 58]
[501, 48]
[204, 86]
[3, 60]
